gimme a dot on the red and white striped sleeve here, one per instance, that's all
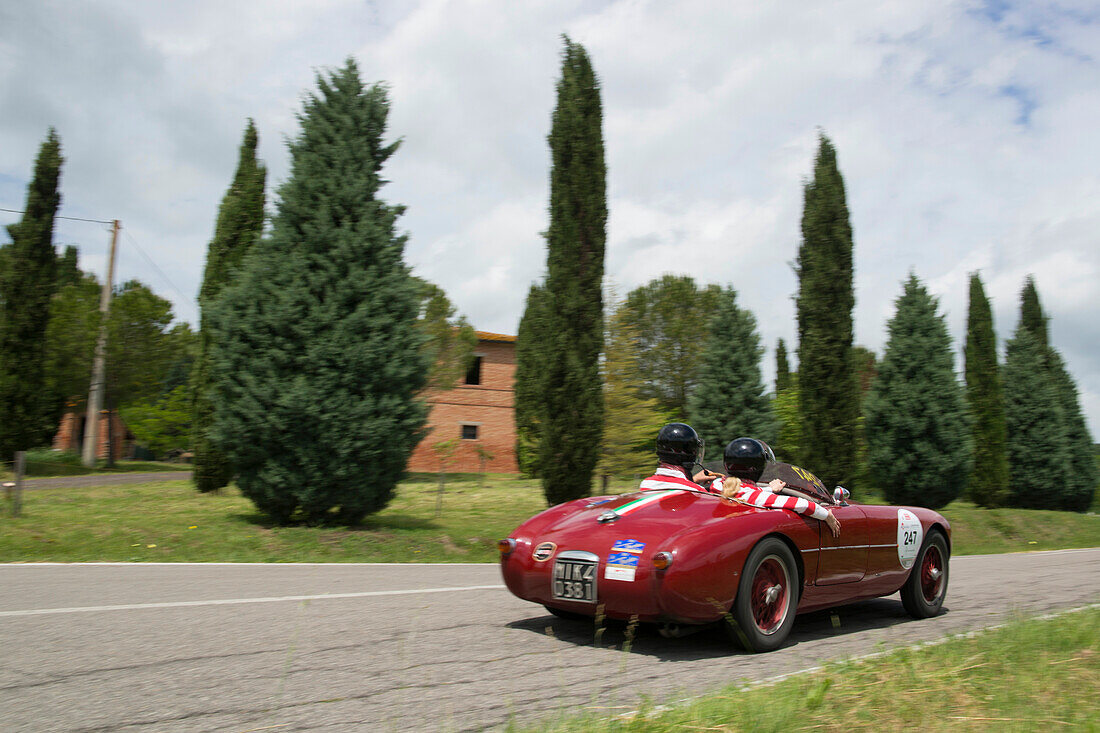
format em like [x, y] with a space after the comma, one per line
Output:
[768, 500]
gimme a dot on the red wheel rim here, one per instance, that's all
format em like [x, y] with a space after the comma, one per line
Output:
[931, 574]
[770, 591]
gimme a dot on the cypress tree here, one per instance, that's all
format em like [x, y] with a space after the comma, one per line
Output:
[530, 340]
[729, 400]
[918, 440]
[240, 223]
[788, 447]
[1081, 473]
[1036, 425]
[782, 368]
[988, 484]
[829, 396]
[27, 283]
[1073, 482]
[572, 404]
[316, 353]
[1031, 313]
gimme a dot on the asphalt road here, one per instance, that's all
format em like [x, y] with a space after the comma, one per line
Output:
[147, 647]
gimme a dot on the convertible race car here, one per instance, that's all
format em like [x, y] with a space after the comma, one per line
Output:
[681, 558]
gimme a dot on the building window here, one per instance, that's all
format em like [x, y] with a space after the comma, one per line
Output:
[473, 374]
[469, 432]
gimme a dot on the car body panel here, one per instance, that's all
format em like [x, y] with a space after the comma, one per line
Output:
[709, 539]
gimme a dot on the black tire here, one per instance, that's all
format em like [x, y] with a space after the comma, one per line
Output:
[767, 596]
[569, 615]
[924, 591]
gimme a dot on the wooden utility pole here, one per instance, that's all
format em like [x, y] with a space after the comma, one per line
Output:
[99, 364]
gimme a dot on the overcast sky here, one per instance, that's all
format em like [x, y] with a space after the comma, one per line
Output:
[966, 133]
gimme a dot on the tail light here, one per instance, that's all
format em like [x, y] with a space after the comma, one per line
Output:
[662, 560]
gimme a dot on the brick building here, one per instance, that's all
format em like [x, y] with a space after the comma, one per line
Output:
[70, 435]
[478, 413]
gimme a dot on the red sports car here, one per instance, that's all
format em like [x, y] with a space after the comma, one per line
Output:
[683, 557]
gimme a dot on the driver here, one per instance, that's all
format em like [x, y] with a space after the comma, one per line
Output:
[745, 460]
[679, 448]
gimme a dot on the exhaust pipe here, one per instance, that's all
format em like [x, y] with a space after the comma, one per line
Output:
[678, 631]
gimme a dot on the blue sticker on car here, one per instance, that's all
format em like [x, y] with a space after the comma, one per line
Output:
[628, 546]
[625, 559]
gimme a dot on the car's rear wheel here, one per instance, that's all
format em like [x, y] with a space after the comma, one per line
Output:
[924, 591]
[767, 595]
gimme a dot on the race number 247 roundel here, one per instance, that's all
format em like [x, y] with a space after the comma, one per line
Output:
[910, 536]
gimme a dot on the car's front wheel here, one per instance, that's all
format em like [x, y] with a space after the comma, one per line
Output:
[767, 595]
[924, 591]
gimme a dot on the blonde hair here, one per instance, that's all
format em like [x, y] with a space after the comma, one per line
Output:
[730, 486]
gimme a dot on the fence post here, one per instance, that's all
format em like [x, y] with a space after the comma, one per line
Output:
[17, 500]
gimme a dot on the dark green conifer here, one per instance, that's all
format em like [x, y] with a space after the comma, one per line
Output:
[530, 341]
[27, 283]
[730, 399]
[1036, 426]
[1081, 473]
[828, 392]
[1073, 482]
[316, 359]
[918, 439]
[571, 418]
[1031, 313]
[240, 223]
[988, 484]
[782, 368]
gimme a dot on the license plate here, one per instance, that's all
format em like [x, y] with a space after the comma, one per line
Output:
[575, 580]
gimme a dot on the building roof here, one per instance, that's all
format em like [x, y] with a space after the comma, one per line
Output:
[488, 336]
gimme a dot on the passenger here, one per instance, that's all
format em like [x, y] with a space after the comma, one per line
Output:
[679, 449]
[745, 460]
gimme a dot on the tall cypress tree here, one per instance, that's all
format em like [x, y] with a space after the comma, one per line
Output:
[918, 442]
[530, 340]
[27, 283]
[729, 400]
[782, 368]
[988, 484]
[316, 354]
[1073, 482]
[829, 394]
[1031, 313]
[1036, 425]
[1081, 474]
[572, 407]
[240, 223]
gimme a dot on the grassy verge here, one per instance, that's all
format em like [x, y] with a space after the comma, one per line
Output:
[169, 521]
[58, 463]
[1029, 675]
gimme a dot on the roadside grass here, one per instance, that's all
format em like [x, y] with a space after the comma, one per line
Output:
[168, 521]
[1028, 675]
[45, 462]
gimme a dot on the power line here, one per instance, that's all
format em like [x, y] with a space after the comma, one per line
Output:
[154, 266]
[58, 216]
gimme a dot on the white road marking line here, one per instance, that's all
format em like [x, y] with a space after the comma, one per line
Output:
[236, 601]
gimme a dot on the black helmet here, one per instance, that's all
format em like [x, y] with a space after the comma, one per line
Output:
[679, 445]
[746, 458]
